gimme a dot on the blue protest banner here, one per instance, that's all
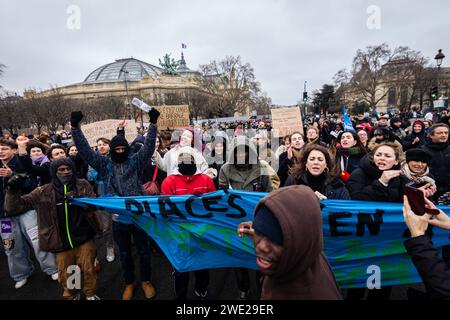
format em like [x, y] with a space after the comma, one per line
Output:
[200, 233]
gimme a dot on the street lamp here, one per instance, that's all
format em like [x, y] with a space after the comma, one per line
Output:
[439, 57]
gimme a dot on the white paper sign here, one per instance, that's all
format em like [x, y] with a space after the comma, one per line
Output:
[141, 104]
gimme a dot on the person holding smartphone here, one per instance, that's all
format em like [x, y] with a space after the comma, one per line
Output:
[433, 270]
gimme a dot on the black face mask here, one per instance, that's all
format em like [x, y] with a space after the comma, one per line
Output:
[243, 167]
[119, 157]
[187, 169]
[64, 179]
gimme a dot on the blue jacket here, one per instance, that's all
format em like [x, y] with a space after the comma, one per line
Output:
[121, 179]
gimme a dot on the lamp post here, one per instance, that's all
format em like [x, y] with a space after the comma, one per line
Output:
[439, 58]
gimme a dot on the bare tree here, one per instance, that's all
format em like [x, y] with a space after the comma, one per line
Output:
[12, 115]
[230, 84]
[376, 69]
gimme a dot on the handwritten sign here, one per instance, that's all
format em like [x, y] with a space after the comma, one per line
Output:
[173, 116]
[108, 129]
[286, 121]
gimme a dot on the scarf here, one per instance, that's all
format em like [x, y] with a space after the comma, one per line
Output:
[39, 161]
[316, 183]
[418, 178]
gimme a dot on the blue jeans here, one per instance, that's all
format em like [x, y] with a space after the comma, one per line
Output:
[122, 235]
[18, 234]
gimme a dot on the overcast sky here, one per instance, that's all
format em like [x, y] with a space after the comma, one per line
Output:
[286, 41]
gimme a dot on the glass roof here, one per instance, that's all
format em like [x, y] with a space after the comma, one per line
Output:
[131, 68]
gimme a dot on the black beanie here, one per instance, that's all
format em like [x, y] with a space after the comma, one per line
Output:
[417, 154]
[267, 225]
[396, 119]
[119, 141]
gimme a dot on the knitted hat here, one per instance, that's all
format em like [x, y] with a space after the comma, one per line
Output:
[119, 141]
[266, 224]
[417, 154]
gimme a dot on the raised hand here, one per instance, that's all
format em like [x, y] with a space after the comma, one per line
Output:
[75, 118]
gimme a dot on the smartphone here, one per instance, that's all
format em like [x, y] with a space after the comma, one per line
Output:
[416, 200]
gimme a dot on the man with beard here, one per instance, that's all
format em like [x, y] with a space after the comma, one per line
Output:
[122, 174]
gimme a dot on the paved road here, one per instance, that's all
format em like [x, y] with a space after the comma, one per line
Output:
[110, 284]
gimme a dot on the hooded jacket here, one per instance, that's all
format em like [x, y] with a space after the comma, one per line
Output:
[364, 185]
[121, 179]
[169, 163]
[178, 184]
[259, 172]
[61, 226]
[303, 272]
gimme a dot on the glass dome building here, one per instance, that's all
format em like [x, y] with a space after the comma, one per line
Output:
[123, 70]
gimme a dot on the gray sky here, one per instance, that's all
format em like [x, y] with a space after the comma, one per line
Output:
[286, 41]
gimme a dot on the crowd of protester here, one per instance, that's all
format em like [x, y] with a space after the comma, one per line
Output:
[372, 161]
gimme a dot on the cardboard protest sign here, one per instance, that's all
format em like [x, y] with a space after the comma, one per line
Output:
[173, 116]
[108, 129]
[286, 121]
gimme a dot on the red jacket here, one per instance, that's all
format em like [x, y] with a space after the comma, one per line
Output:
[177, 185]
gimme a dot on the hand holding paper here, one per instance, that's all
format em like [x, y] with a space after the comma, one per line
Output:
[141, 104]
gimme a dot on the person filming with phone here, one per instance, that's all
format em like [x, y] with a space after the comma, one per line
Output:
[433, 270]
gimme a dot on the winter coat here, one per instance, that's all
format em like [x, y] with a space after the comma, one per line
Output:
[408, 141]
[121, 179]
[433, 270]
[439, 166]
[181, 185]
[169, 163]
[55, 227]
[364, 184]
[43, 171]
[284, 166]
[303, 271]
[349, 161]
[28, 185]
[259, 174]
[335, 189]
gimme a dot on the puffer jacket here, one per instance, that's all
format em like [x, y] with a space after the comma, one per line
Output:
[364, 185]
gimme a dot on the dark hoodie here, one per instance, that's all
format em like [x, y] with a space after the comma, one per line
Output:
[303, 272]
[364, 185]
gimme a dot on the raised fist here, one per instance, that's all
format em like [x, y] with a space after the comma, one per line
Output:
[75, 118]
[154, 115]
